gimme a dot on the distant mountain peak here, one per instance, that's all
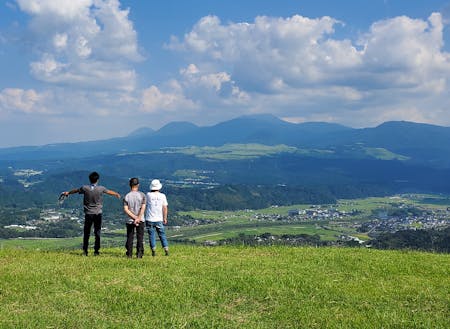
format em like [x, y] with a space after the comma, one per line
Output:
[405, 124]
[266, 119]
[143, 131]
[261, 116]
[177, 127]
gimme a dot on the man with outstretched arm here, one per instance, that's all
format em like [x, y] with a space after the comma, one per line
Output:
[93, 206]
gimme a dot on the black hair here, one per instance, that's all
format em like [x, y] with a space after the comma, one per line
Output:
[134, 181]
[94, 177]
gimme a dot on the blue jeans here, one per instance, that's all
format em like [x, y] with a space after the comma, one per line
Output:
[159, 227]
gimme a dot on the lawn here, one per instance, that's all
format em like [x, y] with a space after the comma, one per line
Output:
[225, 287]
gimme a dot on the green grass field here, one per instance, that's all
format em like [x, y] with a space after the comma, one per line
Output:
[233, 151]
[225, 287]
[254, 150]
[222, 231]
[229, 224]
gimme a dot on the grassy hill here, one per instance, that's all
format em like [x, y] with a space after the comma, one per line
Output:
[225, 287]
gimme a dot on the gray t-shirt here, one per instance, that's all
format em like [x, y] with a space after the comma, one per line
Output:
[134, 200]
[92, 198]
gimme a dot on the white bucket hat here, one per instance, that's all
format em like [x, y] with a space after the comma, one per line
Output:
[155, 185]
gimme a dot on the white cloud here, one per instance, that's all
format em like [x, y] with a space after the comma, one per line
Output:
[295, 67]
[66, 104]
[156, 101]
[60, 41]
[295, 50]
[47, 68]
[405, 52]
[22, 101]
[82, 47]
[84, 43]
[67, 9]
[195, 94]
[85, 75]
[213, 81]
[212, 89]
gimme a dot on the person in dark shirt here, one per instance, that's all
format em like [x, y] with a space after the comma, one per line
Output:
[93, 206]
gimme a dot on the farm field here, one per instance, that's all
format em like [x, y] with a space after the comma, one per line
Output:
[225, 287]
[326, 222]
[273, 220]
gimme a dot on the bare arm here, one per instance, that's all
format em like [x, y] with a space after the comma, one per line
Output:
[75, 190]
[130, 214]
[165, 211]
[141, 212]
[113, 193]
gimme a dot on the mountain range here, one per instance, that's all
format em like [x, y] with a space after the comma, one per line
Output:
[415, 142]
[250, 161]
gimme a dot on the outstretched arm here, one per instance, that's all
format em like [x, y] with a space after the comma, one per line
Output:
[113, 193]
[75, 190]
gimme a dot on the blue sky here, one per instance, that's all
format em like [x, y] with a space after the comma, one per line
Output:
[94, 69]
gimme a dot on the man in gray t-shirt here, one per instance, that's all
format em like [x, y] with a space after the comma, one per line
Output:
[93, 206]
[134, 207]
[92, 198]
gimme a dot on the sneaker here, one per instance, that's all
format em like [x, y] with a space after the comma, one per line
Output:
[153, 253]
[167, 252]
[96, 253]
[85, 253]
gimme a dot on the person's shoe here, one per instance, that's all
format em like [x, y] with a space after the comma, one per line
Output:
[85, 253]
[96, 253]
[153, 253]
[167, 252]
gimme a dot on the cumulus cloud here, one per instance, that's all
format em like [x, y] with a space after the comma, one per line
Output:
[217, 85]
[85, 43]
[66, 103]
[295, 67]
[295, 50]
[63, 115]
[197, 93]
[405, 52]
[22, 101]
[156, 101]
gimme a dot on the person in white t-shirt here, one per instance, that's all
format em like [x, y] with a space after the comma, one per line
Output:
[156, 216]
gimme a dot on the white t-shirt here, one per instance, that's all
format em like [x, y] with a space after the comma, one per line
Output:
[154, 206]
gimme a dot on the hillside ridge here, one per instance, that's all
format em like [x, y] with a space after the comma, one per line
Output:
[423, 143]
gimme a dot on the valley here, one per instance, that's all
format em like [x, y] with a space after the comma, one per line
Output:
[252, 180]
[347, 222]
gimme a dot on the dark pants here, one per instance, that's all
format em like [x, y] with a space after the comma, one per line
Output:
[90, 219]
[131, 229]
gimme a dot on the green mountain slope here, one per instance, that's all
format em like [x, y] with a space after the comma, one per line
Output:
[419, 143]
